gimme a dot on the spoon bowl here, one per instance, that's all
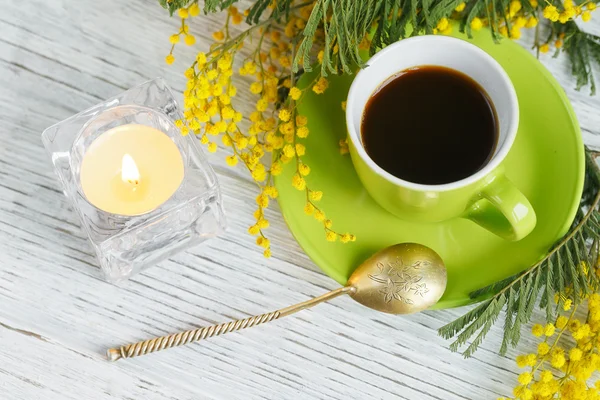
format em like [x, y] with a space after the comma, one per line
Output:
[400, 279]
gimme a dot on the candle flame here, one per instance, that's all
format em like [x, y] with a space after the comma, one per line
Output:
[129, 170]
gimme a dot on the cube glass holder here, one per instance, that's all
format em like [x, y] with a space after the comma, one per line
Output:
[125, 245]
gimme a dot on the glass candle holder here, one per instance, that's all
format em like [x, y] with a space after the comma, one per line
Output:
[127, 244]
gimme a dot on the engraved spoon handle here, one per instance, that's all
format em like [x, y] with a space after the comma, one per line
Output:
[194, 335]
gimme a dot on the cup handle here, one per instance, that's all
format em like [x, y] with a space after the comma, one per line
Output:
[503, 210]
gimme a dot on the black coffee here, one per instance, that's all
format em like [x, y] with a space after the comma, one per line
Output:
[430, 125]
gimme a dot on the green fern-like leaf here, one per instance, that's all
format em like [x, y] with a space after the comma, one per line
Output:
[508, 320]
[520, 317]
[473, 11]
[494, 288]
[549, 291]
[490, 319]
[531, 297]
[450, 330]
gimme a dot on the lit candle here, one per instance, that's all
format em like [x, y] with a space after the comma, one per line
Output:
[131, 170]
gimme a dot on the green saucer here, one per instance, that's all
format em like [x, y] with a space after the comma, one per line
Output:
[546, 163]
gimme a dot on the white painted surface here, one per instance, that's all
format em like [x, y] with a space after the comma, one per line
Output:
[57, 316]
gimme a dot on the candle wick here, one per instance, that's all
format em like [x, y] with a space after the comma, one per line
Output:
[129, 171]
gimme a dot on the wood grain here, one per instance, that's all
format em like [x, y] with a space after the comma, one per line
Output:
[57, 316]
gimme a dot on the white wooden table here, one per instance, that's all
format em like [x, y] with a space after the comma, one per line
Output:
[57, 316]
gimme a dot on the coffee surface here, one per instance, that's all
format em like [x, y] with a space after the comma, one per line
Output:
[430, 125]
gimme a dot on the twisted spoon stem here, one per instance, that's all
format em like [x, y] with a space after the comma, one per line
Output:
[195, 335]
